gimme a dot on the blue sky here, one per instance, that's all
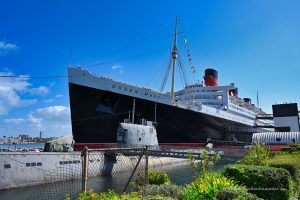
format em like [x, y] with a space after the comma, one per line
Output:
[254, 44]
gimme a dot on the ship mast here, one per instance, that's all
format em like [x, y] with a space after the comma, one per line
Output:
[174, 56]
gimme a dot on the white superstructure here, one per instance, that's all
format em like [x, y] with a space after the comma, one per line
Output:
[210, 100]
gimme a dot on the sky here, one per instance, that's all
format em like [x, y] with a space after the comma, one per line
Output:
[255, 44]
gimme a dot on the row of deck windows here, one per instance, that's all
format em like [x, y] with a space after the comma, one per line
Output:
[130, 90]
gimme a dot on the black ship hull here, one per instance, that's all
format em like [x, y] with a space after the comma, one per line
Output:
[96, 114]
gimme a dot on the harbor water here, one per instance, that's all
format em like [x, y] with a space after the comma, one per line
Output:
[180, 174]
[22, 146]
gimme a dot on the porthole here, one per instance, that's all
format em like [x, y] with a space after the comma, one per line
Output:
[7, 166]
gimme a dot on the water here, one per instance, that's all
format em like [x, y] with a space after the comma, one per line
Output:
[22, 146]
[180, 174]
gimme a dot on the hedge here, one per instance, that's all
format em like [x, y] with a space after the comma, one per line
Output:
[265, 182]
[290, 162]
[234, 193]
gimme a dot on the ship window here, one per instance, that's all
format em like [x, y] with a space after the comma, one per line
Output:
[278, 139]
[27, 164]
[113, 86]
[140, 139]
[39, 164]
[7, 166]
[33, 164]
[136, 91]
[65, 162]
[70, 162]
[125, 89]
[130, 90]
[91, 161]
[61, 162]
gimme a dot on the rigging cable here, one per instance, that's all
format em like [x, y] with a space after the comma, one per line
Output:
[24, 76]
[149, 35]
[158, 74]
[111, 61]
[167, 72]
[182, 70]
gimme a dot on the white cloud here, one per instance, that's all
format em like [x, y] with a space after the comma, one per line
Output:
[48, 100]
[51, 120]
[41, 90]
[34, 121]
[59, 96]
[27, 102]
[6, 47]
[10, 99]
[11, 90]
[117, 68]
[16, 121]
[114, 67]
[53, 113]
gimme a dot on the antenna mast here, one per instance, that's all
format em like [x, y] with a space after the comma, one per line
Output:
[174, 56]
[257, 99]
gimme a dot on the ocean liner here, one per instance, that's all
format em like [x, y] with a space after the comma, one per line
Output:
[191, 116]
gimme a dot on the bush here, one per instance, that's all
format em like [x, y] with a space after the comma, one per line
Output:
[201, 168]
[156, 177]
[205, 187]
[290, 163]
[257, 155]
[292, 148]
[234, 193]
[111, 195]
[172, 191]
[265, 182]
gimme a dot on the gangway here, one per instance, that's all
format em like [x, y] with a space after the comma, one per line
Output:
[177, 152]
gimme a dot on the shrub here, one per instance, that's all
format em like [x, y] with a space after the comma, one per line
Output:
[257, 155]
[162, 190]
[234, 193]
[201, 168]
[110, 195]
[290, 163]
[292, 148]
[205, 187]
[156, 177]
[265, 182]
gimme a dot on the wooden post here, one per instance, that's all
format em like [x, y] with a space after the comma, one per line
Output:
[85, 159]
[146, 166]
